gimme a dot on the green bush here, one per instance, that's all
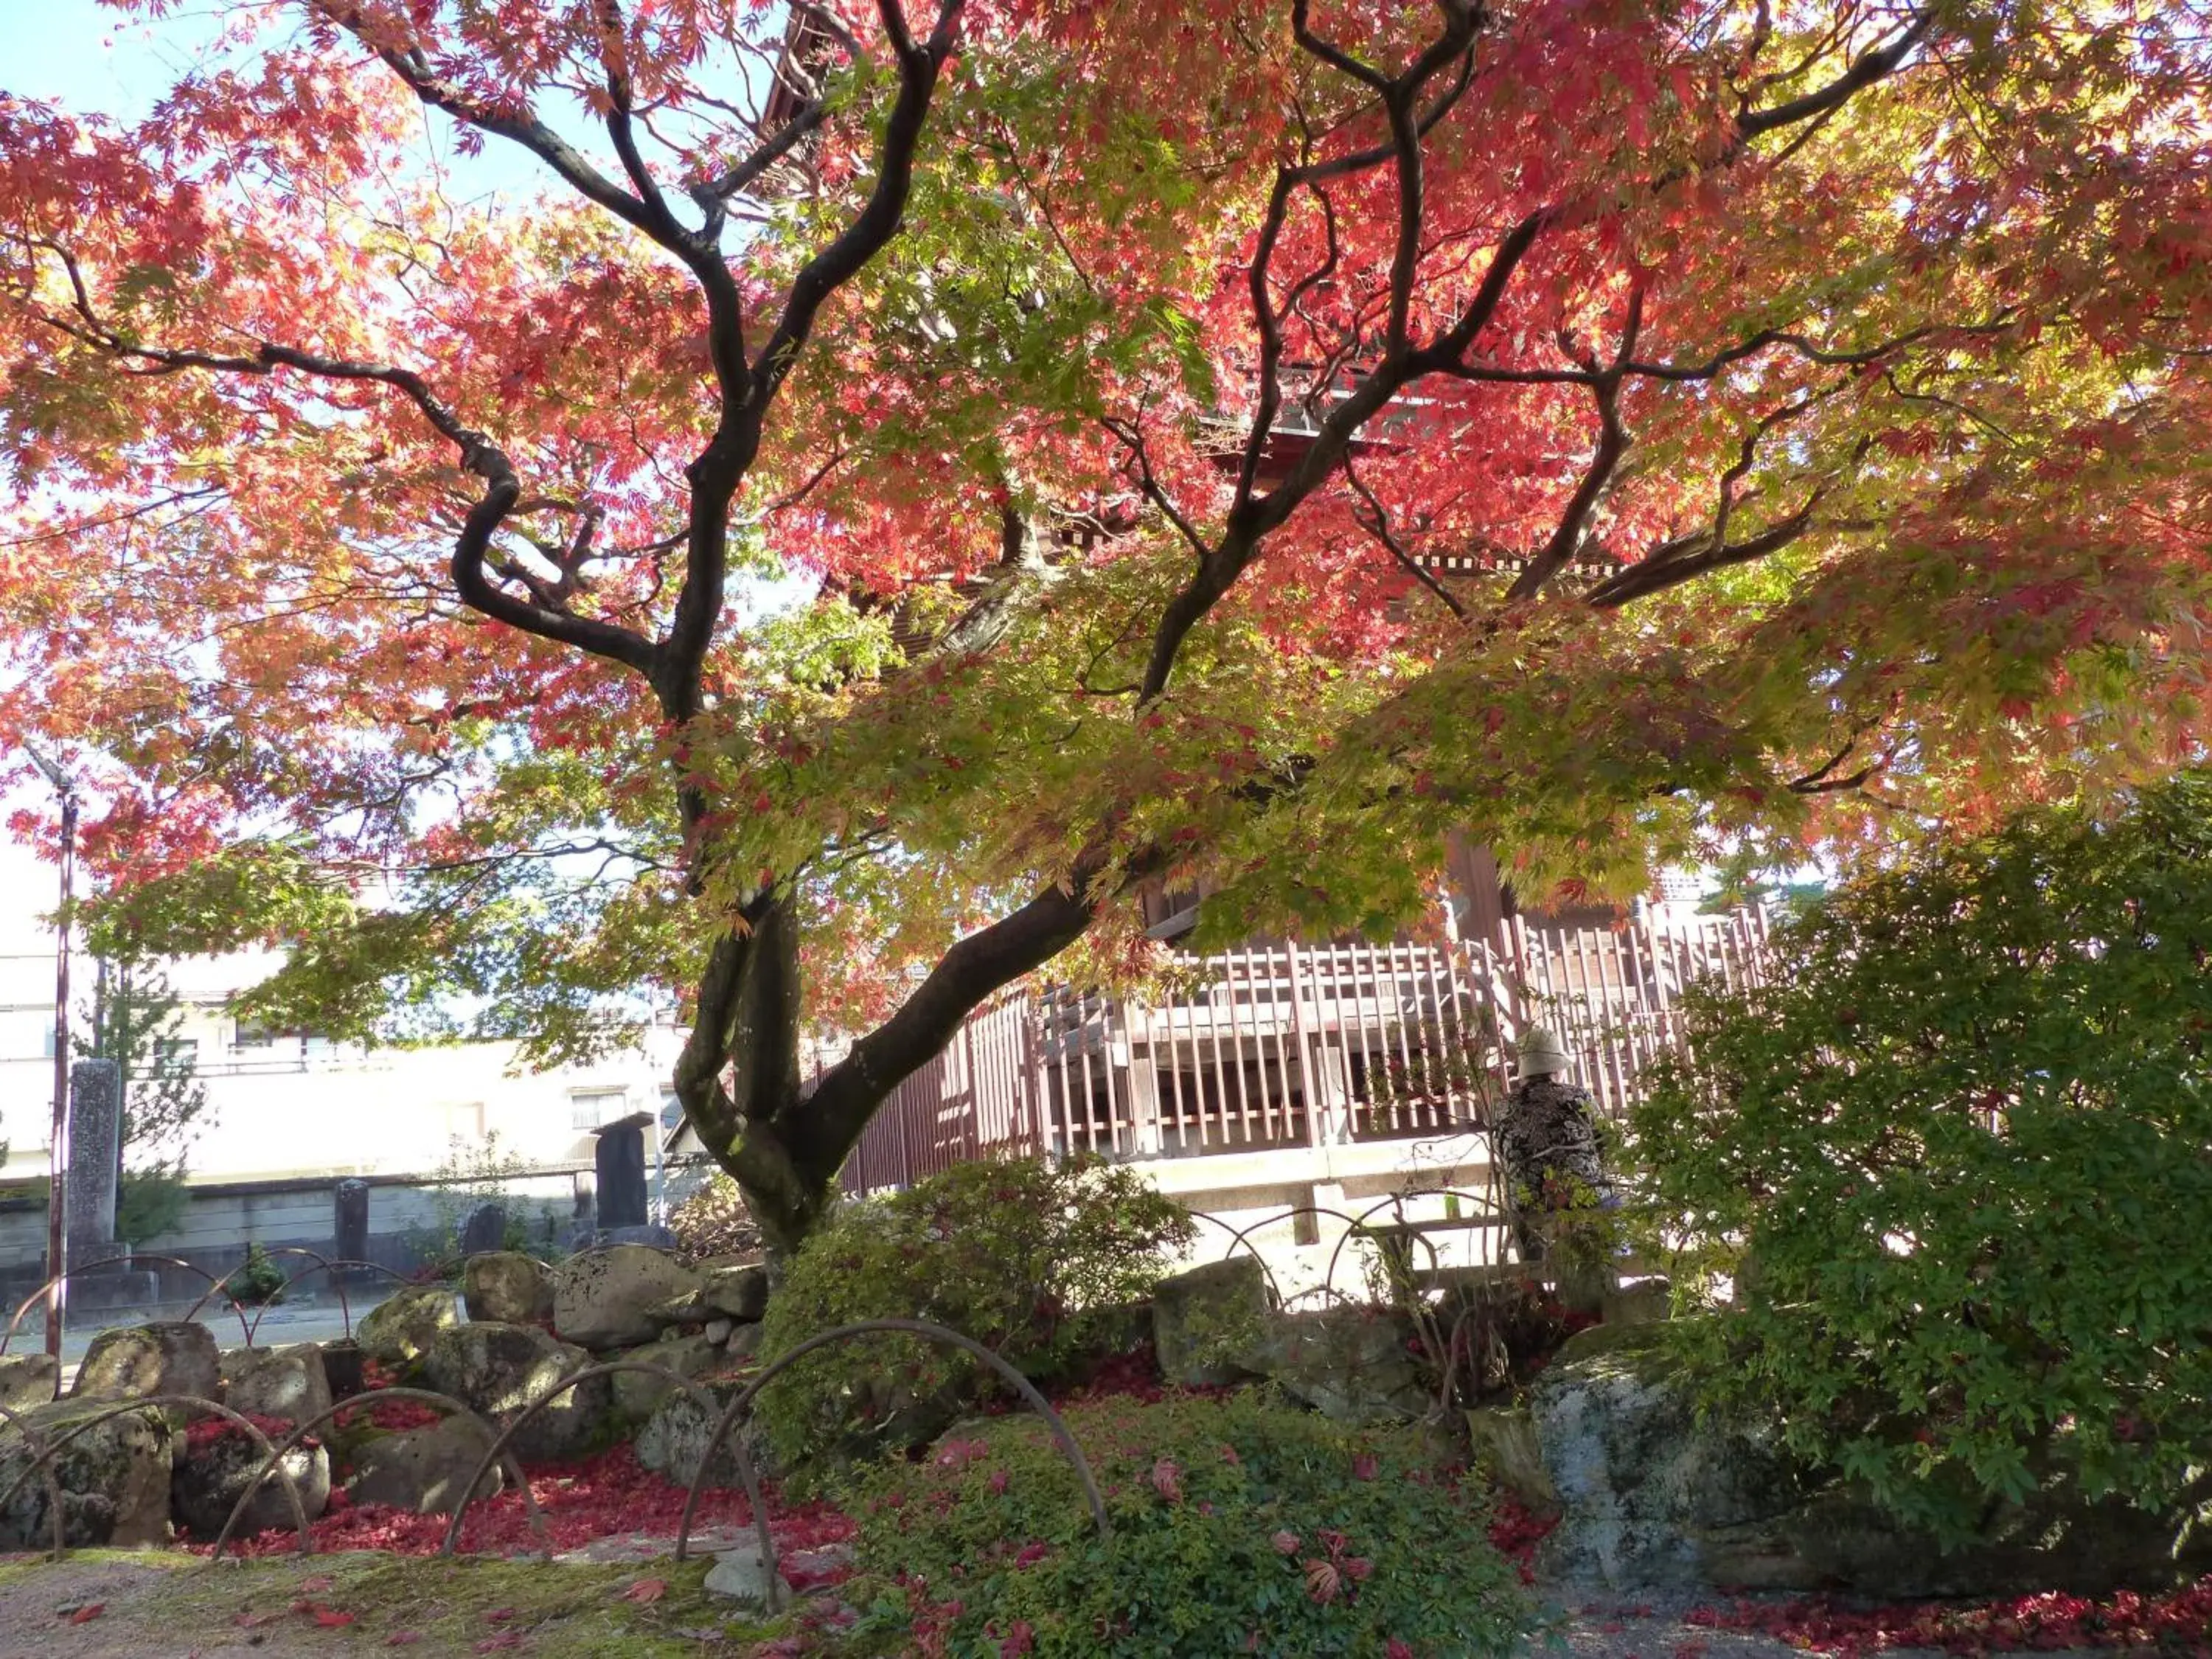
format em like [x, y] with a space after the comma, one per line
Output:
[1031, 1258]
[1960, 1141]
[257, 1280]
[1239, 1525]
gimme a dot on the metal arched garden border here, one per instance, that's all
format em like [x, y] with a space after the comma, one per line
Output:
[39, 1295]
[184, 1403]
[742, 1408]
[1488, 1214]
[42, 1460]
[566, 1385]
[453, 1407]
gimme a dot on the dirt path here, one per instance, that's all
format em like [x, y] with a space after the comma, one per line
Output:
[169, 1605]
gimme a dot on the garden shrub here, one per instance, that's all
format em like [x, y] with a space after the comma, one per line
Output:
[1030, 1257]
[1239, 1525]
[257, 1280]
[1962, 1134]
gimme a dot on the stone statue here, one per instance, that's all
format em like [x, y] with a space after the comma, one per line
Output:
[1547, 1141]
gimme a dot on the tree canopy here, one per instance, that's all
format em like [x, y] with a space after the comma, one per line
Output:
[913, 472]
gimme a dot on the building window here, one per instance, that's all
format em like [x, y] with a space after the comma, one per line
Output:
[251, 1033]
[177, 1055]
[590, 1109]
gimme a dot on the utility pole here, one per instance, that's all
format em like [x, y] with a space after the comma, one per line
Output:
[58, 1152]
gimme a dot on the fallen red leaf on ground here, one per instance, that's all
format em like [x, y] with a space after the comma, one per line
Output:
[85, 1615]
[647, 1589]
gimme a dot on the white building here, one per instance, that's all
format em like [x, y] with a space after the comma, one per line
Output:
[290, 1113]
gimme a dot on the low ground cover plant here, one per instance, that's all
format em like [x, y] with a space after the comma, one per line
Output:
[1239, 1525]
[1037, 1259]
[1954, 1153]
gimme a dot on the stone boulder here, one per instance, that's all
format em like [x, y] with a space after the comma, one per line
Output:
[288, 1383]
[1640, 1304]
[2053, 1541]
[133, 1362]
[651, 1233]
[674, 1438]
[738, 1293]
[1504, 1443]
[622, 1295]
[216, 1462]
[29, 1380]
[1641, 1479]
[1654, 1496]
[1349, 1364]
[114, 1478]
[1210, 1324]
[501, 1370]
[506, 1288]
[399, 1330]
[637, 1393]
[422, 1471]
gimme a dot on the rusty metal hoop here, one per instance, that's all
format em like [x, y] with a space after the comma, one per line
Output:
[39, 1295]
[566, 1385]
[742, 1407]
[42, 1459]
[1487, 1215]
[190, 1402]
[301, 1430]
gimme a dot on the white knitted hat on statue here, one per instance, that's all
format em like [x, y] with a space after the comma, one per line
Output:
[1542, 1053]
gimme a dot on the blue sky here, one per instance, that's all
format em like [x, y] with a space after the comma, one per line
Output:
[89, 57]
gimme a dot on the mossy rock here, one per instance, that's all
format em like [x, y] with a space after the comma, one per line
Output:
[164, 1356]
[637, 1395]
[506, 1288]
[213, 1472]
[114, 1477]
[1640, 1473]
[421, 1471]
[287, 1383]
[1502, 1440]
[502, 1371]
[399, 1330]
[1349, 1364]
[1210, 1324]
[623, 1295]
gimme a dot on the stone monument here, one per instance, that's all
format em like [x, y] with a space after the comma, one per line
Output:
[349, 1227]
[484, 1228]
[96, 1129]
[619, 1160]
[94, 1162]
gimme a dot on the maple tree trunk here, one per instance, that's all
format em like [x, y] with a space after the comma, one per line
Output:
[738, 1077]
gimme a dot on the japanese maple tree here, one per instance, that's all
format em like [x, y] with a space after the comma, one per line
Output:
[910, 473]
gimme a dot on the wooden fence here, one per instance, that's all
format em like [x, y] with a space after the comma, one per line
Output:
[1301, 1045]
